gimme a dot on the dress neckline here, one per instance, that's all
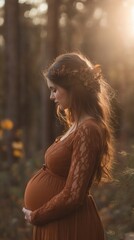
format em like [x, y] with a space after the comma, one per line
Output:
[58, 139]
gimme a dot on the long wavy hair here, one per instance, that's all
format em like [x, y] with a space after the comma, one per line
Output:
[89, 94]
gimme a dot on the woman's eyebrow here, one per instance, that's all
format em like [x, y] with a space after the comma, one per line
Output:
[51, 87]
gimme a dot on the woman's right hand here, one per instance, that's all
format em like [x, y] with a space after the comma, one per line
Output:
[27, 214]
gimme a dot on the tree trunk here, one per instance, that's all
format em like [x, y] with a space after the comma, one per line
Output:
[12, 58]
[12, 65]
[51, 51]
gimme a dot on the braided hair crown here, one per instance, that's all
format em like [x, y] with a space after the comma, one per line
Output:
[78, 70]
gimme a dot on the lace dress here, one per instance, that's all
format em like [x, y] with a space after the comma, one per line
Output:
[59, 193]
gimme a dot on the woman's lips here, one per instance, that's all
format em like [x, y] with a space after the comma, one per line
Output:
[57, 103]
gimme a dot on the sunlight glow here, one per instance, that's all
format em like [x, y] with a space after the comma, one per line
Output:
[39, 21]
[126, 26]
[79, 6]
[2, 2]
[131, 21]
[33, 12]
[132, 14]
[1, 21]
[33, 2]
[1, 41]
[26, 14]
[103, 22]
[100, 15]
[36, 21]
[36, 14]
[42, 8]
[63, 20]
[125, 3]
[22, 1]
[97, 13]
[36, 2]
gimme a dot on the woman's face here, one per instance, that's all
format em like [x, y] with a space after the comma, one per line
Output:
[58, 94]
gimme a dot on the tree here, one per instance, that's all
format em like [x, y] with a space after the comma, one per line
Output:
[12, 58]
[51, 51]
[12, 64]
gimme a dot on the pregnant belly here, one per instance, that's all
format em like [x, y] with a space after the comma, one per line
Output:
[43, 186]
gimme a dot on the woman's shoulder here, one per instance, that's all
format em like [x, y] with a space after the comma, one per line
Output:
[89, 127]
[88, 123]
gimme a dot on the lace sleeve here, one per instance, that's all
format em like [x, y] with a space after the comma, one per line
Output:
[85, 157]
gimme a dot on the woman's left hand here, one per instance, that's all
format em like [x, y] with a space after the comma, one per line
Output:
[27, 214]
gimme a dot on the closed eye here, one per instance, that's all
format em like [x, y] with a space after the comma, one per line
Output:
[53, 90]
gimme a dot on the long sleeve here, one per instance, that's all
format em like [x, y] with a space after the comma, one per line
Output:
[86, 151]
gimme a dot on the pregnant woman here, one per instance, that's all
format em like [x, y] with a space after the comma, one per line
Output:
[57, 199]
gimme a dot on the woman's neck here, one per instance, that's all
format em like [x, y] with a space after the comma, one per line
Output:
[79, 120]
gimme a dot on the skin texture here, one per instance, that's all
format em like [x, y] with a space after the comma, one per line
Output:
[27, 214]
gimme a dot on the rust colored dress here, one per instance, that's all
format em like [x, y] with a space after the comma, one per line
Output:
[59, 193]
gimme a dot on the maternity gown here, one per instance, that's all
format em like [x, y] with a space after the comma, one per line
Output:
[59, 193]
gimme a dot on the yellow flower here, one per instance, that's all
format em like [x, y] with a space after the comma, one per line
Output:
[123, 153]
[7, 124]
[17, 145]
[17, 153]
[1, 133]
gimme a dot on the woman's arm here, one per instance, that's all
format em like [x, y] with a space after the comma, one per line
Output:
[85, 157]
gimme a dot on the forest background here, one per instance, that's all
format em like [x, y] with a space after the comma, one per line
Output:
[32, 34]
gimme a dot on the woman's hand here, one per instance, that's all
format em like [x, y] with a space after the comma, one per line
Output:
[27, 214]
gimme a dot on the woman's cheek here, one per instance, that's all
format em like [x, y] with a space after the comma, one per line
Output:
[56, 94]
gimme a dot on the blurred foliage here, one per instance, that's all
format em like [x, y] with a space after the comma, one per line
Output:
[10, 139]
[13, 179]
[116, 199]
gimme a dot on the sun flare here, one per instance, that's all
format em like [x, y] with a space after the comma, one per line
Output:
[132, 14]
[127, 14]
[131, 21]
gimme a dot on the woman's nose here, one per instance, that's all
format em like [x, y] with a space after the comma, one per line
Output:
[51, 96]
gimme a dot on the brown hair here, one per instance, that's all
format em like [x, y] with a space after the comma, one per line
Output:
[89, 94]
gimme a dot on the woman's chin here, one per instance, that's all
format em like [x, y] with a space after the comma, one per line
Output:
[61, 107]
